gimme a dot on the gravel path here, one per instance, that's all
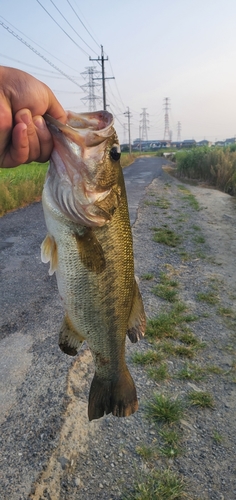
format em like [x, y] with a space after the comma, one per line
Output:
[101, 459]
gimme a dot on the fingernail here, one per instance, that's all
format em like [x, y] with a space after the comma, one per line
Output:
[26, 118]
[40, 123]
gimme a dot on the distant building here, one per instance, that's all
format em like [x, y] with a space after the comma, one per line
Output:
[189, 143]
[230, 141]
[220, 143]
[176, 144]
[150, 145]
[203, 143]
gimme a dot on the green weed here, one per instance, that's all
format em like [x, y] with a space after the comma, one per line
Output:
[160, 373]
[208, 297]
[165, 292]
[147, 358]
[201, 398]
[191, 372]
[166, 236]
[164, 409]
[147, 276]
[21, 186]
[158, 485]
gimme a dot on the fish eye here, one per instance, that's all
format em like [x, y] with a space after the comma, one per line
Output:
[115, 152]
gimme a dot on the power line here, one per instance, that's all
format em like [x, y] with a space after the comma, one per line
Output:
[36, 52]
[83, 23]
[116, 85]
[45, 50]
[26, 64]
[64, 31]
[72, 26]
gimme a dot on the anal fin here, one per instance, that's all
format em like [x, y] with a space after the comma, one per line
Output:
[70, 341]
[137, 318]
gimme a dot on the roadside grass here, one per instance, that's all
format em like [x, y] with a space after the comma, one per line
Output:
[147, 276]
[166, 289]
[147, 358]
[169, 324]
[166, 236]
[189, 197]
[21, 186]
[217, 437]
[191, 372]
[159, 485]
[159, 373]
[161, 203]
[201, 399]
[208, 297]
[163, 409]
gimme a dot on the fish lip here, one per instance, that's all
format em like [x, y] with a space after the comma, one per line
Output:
[85, 121]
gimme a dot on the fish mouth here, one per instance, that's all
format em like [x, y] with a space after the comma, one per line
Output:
[76, 163]
[85, 129]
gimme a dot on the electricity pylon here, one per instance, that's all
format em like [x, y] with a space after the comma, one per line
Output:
[179, 132]
[166, 109]
[89, 87]
[144, 125]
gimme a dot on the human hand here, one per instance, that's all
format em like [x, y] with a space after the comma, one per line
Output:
[24, 136]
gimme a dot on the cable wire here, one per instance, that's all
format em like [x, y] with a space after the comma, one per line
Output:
[83, 24]
[64, 31]
[36, 52]
[45, 50]
[72, 27]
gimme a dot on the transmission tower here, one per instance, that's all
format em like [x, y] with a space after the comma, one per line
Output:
[179, 132]
[143, 125]
[166, 109]
[89, 87]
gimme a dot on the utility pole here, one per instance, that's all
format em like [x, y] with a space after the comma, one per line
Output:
[101, 60]
[143, 124]
[128, 114]
[166, 109]
[179, 132]
[91, 97]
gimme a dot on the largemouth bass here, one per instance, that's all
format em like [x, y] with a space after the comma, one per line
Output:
[89, 247]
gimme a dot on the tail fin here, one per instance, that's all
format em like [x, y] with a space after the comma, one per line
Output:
[117, 396]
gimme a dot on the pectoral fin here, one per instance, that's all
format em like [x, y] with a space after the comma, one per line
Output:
[137, 318]
[70, 341]
[49, 253]
[91, 252]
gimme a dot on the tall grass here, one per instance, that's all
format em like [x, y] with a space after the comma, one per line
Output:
[214, 165]
[21, 186]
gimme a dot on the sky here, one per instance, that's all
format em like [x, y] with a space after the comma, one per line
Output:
[181, 49]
